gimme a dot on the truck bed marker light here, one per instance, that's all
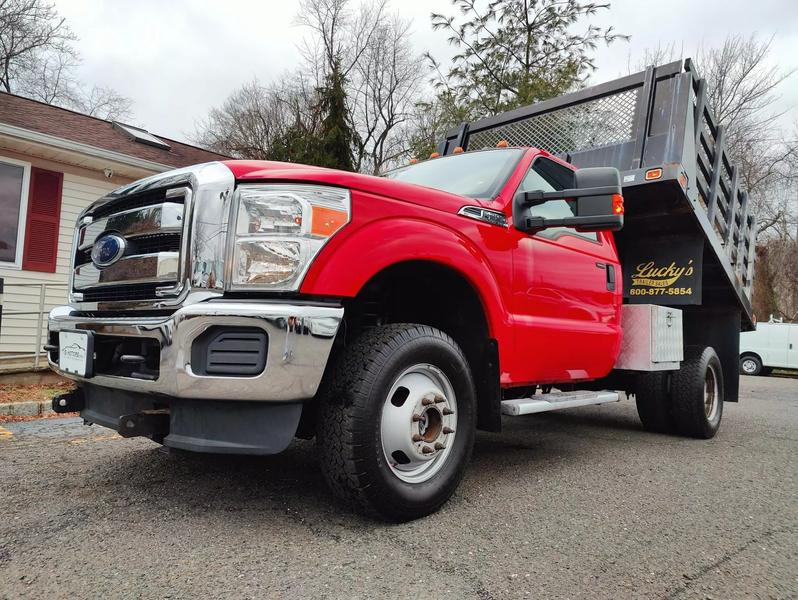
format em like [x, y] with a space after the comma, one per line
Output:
[617, 204]
[503, 144]
[413, 161]
[652, 174]
[434, 155]
[458, 150]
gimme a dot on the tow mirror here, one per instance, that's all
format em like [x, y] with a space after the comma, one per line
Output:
[596, 201]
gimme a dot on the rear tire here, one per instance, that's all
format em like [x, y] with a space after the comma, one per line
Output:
[697, 393]
[652, 396]
[397, 423]
[750, 364]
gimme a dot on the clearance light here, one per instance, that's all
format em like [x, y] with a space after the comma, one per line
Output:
[458, 150]
[652, 174]
[434, 155]
[503, 144]
[413, 161]
[617, 204]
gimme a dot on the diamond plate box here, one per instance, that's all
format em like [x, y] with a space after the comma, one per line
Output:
[652, 338]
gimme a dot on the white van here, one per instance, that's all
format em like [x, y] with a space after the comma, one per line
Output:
[772, 345]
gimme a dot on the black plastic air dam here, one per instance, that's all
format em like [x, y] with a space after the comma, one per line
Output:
[231, 427]
[223, 427]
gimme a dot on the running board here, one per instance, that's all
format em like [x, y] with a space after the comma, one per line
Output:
[556, 401]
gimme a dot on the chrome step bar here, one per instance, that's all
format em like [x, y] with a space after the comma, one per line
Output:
[556, 401]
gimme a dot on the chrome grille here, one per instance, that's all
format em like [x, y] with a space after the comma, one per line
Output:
[152, 225]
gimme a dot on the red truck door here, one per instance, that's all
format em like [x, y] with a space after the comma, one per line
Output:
[566, 292]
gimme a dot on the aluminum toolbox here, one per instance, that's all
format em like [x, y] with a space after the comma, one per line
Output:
[652, 338]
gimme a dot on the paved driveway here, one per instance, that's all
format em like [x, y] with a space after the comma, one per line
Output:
[575, 504]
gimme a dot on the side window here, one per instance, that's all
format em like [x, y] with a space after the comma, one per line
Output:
[548, 176]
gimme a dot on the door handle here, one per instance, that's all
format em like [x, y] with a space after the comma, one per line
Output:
[610, 274]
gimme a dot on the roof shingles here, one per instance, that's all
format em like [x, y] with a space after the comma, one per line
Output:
[77, 127]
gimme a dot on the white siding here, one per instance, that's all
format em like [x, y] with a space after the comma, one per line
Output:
[22, 290]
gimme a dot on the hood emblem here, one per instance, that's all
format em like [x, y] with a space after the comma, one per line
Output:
[108, 249]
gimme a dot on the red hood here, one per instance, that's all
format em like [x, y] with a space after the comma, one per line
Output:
[260, 170]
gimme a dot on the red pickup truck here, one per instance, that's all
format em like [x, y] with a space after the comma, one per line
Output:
[230, 307]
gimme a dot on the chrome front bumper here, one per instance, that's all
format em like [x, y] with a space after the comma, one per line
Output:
[300, 339]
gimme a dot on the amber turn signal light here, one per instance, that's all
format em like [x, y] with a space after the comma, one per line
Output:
[617, 204]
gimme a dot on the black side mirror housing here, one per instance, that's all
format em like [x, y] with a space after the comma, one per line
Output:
[597, 195]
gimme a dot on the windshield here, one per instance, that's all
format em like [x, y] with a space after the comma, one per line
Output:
[474, 175]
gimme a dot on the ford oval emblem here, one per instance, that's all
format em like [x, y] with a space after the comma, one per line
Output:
[108, 249]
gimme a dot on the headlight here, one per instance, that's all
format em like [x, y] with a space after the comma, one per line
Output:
[280, 229]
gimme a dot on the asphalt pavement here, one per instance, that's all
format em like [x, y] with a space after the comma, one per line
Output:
[574, 504]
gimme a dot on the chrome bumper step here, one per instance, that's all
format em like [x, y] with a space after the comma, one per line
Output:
[556, 401]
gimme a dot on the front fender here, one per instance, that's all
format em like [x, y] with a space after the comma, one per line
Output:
[354, 257]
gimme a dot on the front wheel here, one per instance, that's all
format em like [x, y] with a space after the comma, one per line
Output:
[397, 423]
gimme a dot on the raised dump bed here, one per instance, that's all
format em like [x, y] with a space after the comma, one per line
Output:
[689, 235]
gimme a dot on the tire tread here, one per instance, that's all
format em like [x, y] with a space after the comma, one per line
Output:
[345, 400]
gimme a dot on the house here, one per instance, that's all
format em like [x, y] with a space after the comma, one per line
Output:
[53, 163]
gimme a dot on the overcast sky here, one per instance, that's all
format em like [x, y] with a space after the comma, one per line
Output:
[178, 58]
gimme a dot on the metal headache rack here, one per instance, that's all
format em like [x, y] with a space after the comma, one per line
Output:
[684, 201]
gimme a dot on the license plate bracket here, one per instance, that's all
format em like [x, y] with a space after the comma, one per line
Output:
[76, 352]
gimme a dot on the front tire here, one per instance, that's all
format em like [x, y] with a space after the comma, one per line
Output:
[397, 423]
[697, 393]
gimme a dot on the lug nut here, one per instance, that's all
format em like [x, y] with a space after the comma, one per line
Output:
[417, 418]
[427, 450]
[427, 401]
[448, 430]
[448, 411]
[440, 399]
[439, 446]
[417, 438]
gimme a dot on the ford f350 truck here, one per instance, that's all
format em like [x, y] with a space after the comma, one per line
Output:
[232, 306]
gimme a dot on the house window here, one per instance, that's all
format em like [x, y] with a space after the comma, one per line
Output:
[14, 177]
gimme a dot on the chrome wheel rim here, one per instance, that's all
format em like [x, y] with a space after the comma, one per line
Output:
[711, 393]
[418, 423]
[749, 366]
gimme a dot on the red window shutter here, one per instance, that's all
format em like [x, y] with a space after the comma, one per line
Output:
[44, 215]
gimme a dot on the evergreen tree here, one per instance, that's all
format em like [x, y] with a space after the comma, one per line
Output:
[337, 135]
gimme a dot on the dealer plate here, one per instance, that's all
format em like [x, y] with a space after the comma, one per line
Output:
[76, 352]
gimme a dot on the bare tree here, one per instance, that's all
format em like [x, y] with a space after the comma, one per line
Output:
[38, 60]
[31, 33]
[382, 75]
[256, 118]
[104, 103]
[742, 91]
[339, 34]
[385, 84]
